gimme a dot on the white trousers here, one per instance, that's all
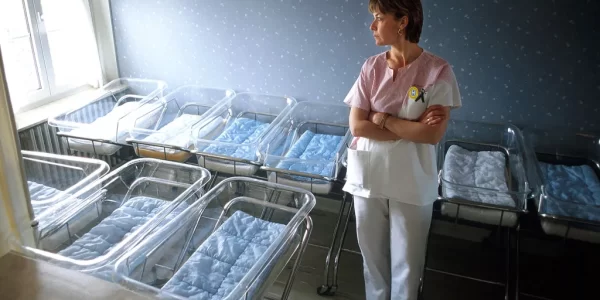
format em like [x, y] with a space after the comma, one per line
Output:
[393, 238]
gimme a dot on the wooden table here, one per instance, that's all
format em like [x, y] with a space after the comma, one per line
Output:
[22, 278]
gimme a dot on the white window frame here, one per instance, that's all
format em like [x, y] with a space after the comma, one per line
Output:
[49, 91]
[103, 28]
[32, 29]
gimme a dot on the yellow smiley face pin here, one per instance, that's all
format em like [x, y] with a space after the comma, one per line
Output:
[413, 93]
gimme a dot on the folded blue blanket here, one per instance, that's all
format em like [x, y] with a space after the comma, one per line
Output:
[116, 227]
[573, 191]
[240, 131]
[319, 149]
[222, 261]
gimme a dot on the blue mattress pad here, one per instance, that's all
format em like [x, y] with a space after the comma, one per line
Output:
[113, 229]
[38, 193]
[225, 257]
[319, 149]
[574, 191]
[241, 131]
[477, 176]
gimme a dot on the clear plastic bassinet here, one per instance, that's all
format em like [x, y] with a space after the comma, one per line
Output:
[228, 139]
[567, 170]
[52, 179]
[306, 147]
[482, 172]
[232, 244]
[102, 125]
[112, 213]
[171, 137]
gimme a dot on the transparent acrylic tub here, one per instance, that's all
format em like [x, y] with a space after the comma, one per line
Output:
[53, 178]
[113, 212]
[155, 265]
[499, 191]
[282, 154]
[565, 216]
[102, 126]
[233, 153]
[171, 137]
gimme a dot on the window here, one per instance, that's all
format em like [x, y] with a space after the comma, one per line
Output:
[48, 49]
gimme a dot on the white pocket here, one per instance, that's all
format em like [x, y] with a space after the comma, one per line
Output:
[358, 167]
[414, 109]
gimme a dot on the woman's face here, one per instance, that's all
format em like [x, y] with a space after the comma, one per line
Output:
[385, 29]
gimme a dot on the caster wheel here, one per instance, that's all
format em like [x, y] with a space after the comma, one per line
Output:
[325, 290]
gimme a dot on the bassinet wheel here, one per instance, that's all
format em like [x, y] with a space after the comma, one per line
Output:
[325, 290]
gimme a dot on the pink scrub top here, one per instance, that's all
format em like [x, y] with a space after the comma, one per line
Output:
[398, 170]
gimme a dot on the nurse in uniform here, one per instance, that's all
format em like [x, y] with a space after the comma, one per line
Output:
[400, 106]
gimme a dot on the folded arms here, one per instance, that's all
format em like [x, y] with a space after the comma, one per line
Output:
[428, 129]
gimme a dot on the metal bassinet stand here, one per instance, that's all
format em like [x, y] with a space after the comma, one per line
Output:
[330, 272]
[480, 207]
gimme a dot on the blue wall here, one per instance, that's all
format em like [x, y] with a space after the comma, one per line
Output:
[531, 63]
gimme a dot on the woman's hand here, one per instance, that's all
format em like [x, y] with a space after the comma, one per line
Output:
[376, 117]
[372, 116]
[361, 125]
[433, 115]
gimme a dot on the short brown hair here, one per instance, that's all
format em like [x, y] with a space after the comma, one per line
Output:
[413, 9]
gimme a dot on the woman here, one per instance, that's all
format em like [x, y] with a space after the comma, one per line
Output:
[400, 107]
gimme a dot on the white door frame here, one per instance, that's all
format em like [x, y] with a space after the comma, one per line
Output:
[15, 210]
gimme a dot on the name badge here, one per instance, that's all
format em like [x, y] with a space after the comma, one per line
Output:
[416, 95]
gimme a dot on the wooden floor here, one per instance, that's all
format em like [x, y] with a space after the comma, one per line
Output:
[25, 279]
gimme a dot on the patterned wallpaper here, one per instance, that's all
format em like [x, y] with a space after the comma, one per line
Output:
[532, 63]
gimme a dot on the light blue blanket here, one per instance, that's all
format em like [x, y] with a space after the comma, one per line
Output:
[39, 192]
[92, 111]
[574, 191]
[221, 262]
[115, 228]
[477, 176]
[319, 150]
[241, 131]
[279, 149]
